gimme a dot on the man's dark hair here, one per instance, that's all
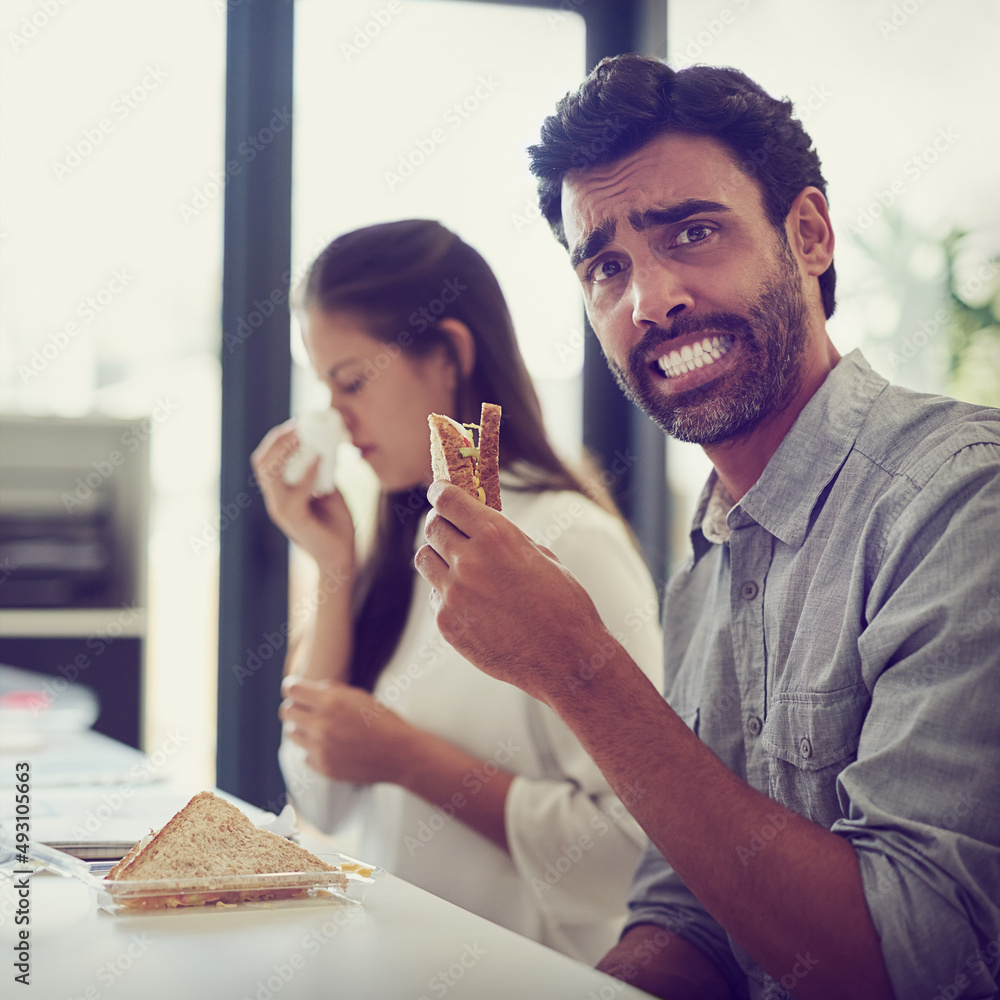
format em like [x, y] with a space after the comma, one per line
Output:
[629, 99]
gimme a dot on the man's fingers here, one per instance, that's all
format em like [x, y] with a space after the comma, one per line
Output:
[432, 567]
[456, 506]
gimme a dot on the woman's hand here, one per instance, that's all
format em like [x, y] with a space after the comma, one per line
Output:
[323, 525]
[347, 734]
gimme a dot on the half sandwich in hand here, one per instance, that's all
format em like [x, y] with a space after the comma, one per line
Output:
[472, 465]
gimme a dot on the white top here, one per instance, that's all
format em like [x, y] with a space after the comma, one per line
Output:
[573, 846]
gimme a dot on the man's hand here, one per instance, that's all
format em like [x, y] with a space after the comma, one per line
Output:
[502, 601]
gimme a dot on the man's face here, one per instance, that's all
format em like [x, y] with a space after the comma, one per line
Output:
[696, 299]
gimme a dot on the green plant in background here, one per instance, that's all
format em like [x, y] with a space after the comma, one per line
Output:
[974, 327]
[937, 303]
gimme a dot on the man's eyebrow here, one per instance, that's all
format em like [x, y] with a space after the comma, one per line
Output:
[652, 217]
[594, 242]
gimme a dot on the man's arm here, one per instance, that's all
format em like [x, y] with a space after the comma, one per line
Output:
[665, 965]
[800, 909]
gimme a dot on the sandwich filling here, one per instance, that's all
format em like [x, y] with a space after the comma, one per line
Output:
[468, 454]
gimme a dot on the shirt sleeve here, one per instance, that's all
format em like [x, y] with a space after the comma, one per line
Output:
[922, 800]
[325, 803]
[569, 835]
[659, 897]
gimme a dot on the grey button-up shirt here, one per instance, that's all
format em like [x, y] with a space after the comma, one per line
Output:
[840, 651]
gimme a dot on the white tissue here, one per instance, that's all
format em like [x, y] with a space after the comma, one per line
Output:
[320, 435]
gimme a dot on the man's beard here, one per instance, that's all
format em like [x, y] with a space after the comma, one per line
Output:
[771, 339]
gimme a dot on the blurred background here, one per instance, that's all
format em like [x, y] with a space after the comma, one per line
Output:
[113, 183]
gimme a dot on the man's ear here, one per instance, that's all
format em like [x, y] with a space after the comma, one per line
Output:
[810, 232]
[463, 343]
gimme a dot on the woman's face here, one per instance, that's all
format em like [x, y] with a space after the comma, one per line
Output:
[383, 394]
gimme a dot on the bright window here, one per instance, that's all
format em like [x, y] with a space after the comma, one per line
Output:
[112, 122]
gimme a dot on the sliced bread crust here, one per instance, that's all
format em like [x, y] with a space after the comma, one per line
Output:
[489, 454]
[210, 836]
[447, 462]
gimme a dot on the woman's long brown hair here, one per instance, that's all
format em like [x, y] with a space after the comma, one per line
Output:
[399, 279]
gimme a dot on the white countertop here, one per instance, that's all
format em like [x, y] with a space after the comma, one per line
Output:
[401, 942]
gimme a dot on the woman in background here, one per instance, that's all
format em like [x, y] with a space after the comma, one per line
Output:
[465, 785]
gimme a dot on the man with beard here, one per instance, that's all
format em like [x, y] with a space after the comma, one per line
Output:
[821, 786]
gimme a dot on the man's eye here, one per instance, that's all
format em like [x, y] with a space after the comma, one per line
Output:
[694, 234]
[605, 270]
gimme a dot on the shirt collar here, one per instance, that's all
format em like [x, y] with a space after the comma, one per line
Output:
[782, 499]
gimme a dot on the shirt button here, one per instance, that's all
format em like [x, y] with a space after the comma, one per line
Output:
[754, 725]
[805, 747]
[748, 590]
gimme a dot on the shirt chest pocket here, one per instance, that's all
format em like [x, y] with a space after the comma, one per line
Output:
[809, 737]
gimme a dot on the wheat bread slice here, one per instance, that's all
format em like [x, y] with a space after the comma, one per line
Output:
[448, 437]
[210, 836]
[489, 454]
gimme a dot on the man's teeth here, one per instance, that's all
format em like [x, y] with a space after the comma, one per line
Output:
[691, 356]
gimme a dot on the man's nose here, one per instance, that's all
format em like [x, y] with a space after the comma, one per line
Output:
[658, 294]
